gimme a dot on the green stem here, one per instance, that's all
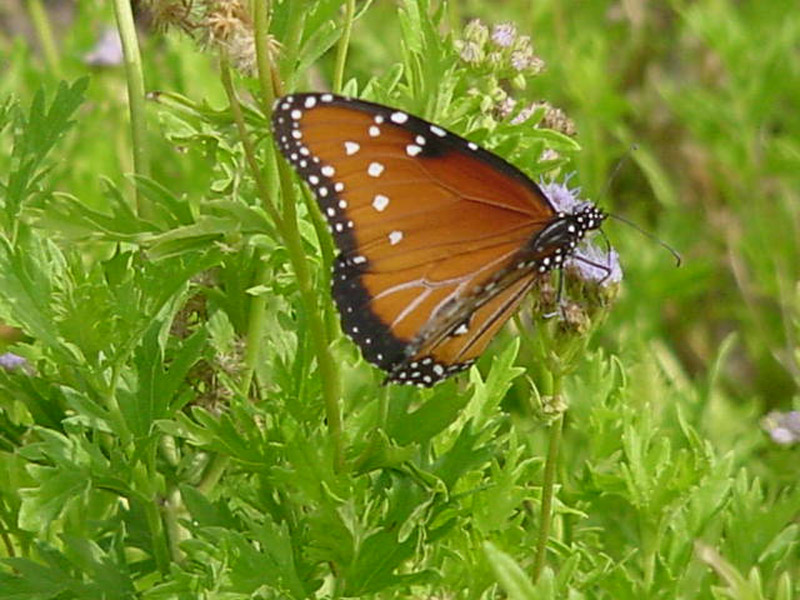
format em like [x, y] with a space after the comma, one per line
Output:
[44, 32]
[257, 310]
[328, 369]
[548, 487]
[145, 489]
[344, 43]
[213, 473]
[136, 97]
[292, 239]
[268, 82]
[156, 528]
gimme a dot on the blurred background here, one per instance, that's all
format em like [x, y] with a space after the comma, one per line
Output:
[680, 447]
[707, 91]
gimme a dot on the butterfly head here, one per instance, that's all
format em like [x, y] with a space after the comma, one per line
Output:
[587, 218]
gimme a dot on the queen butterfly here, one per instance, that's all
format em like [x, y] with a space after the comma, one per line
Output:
[439, 239]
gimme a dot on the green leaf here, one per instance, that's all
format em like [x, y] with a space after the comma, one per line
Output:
[509, 574]
[35, 138]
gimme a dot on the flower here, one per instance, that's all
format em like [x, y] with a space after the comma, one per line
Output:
[563, 198]
[520, 60]
[476, 31]
[525, 114]
[555, 119]
[506, 106]
[107, 51]
[11, 362]
[591, 263]
[783, 427]
[469, 51]
[504, 34]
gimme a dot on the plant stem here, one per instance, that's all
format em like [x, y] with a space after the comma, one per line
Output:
[548, 486]
[257, 310]
[44, 32]
[327, 367]
[292, 239]
[344, 43]
[268, 80]
[213, 473]
[136, 97]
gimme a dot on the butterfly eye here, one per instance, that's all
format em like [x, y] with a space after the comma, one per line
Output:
[438, 239]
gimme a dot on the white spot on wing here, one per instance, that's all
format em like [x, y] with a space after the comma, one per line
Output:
[399, 117]
[380, 202]
[328, 171]
[351, 148]
[375, 169]
[395, 237]
[438, 131]
[374, 131]
[311, 101]
[413, 149]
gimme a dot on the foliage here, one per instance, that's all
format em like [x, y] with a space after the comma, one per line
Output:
[136, 462]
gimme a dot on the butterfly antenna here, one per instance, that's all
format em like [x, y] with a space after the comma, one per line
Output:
[651, 236]
[625, 157]
[645, 233]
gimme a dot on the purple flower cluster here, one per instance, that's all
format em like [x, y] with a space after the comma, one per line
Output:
[590, 262]
[11, 362]
[783, 427]
[503, 50]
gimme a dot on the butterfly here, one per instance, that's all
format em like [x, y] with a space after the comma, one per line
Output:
[439, 240]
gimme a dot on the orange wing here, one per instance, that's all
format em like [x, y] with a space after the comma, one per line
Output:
[427, 224]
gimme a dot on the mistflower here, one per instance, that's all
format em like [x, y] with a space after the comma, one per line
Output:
[11, 362]
[535, 66]
[495, 60]
[476, 31]
[504, 34]
[506, 106]
[107, 51]
[590, 263]
[525, 114]
[783, 427]
[563, 198]
[469, 51]
[555, 119]
[520, 60]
